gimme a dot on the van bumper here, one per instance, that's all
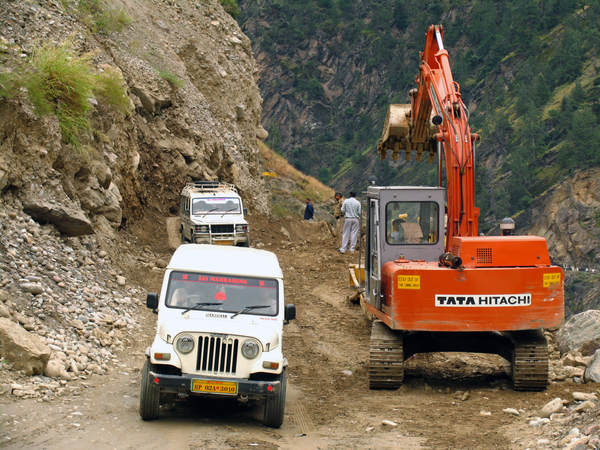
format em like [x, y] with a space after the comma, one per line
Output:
[244, 387]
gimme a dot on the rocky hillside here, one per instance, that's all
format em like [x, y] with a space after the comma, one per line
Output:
[194, 112]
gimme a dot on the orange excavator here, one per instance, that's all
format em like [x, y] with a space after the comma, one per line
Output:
[431, 281]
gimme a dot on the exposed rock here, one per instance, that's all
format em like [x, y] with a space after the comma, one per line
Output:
[592, 372]
[67, 219]
[24, 350]
[580, 330]
[261, 133]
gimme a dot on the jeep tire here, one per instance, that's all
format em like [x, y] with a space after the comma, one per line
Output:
[275, 404]
[149, 395]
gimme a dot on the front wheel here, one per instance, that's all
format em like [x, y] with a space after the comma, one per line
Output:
[150, 394]
[275, 404]
[246, 243]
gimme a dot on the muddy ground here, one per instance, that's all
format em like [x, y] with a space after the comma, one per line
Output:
[449, 401]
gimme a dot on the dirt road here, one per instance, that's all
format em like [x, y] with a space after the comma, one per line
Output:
[447, 401]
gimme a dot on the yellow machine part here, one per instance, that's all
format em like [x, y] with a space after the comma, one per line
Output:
[398, 135]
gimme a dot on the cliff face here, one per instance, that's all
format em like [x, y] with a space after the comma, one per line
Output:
[132, 167]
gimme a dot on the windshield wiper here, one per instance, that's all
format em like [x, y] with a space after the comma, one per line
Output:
[229, 210]
[199, 306]
[248, 308]
[209, 211]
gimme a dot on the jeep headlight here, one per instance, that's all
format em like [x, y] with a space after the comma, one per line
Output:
[203, 228]
[185, 344]
[241, 228]
[250, 348]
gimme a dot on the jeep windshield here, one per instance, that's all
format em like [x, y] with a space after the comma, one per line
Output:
[216, 205]
[223, 293]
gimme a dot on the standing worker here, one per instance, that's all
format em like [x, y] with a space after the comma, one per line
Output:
[351, 210]
[339, 219]
[309, 212]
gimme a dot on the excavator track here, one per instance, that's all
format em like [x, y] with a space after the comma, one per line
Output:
[386, 362]
[529, 365]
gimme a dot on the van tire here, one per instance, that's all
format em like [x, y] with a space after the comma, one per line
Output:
[150, 394]
[246, 243]
[275, 404]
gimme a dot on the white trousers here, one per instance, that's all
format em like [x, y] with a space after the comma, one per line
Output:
[350, 233]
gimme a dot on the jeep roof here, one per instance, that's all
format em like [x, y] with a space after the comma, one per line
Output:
[226, 259]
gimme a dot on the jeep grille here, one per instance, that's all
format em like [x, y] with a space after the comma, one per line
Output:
[217, 355]
[221, 229]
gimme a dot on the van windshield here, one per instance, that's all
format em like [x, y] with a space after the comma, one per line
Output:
[216, 205]
[223, 293]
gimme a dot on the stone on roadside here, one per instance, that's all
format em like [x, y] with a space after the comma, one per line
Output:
[389, 423]
[25, 351]
[555, 406]
[585, 407]
[54, 368]
[511, 411]
[582, 397]
[121, 281]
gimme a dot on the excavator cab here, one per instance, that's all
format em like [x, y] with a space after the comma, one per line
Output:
[403, 223]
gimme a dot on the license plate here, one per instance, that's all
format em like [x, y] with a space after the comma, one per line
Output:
[223, 242]
[215, 387]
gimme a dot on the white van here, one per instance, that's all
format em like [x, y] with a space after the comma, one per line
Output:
[220, 313]
[211, 212]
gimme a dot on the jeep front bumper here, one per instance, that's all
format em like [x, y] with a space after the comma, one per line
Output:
[244, 387]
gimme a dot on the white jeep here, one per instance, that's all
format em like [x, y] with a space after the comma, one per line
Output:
[211, 212]
[221, 313]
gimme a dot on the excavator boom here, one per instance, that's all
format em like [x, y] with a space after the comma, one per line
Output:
[437, 121]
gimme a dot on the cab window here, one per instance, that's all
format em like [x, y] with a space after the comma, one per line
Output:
[412, 223]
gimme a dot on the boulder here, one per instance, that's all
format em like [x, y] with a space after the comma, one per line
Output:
[25, 351]
[592, 372]
[261, 133]
[580, 332]
[68, 220]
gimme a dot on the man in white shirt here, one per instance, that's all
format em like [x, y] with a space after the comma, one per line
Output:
[351, 210]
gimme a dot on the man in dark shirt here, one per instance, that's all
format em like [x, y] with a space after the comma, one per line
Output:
[309, 212]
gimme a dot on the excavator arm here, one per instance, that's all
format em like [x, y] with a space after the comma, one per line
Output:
[436, 121]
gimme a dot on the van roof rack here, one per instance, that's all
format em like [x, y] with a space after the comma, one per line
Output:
[208, 185]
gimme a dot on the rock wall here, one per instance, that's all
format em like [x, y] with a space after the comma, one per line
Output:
[131, 168]
[567, 217]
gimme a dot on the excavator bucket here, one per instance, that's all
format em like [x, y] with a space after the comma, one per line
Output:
[398, 134]
[395, 131]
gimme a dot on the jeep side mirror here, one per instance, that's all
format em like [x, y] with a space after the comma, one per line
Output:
[245, 211]
[152, 301]
[290, 313]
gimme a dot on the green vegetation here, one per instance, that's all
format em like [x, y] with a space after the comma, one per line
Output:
[231, 7]
[531, 67]
[61, 83]
[100, 18]
[171, 78]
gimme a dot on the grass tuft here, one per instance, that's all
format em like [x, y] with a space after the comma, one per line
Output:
[61, 83]
[171, 78]
[100, 19]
